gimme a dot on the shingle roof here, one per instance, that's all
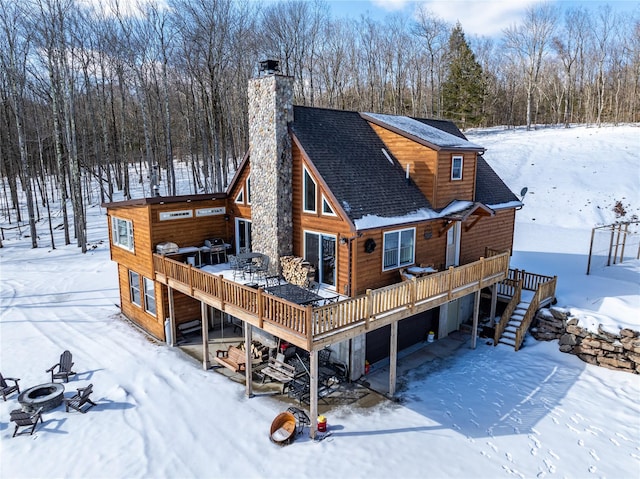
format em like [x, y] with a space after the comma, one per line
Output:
[490, 189]
[348, 155]
[366, 180]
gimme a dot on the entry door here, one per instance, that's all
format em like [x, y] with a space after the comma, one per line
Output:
[320, 251]
[453, 245]
[243, 236]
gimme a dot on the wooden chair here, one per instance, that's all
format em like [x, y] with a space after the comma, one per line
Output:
[7, 389]
[25, 419]
[78, 400]
[63, 368]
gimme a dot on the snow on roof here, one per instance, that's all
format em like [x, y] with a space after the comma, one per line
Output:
[423, 131]
[373, 221]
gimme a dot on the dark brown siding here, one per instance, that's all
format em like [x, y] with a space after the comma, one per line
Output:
[491, 232]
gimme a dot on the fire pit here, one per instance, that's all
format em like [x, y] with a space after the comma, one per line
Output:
[46, 396]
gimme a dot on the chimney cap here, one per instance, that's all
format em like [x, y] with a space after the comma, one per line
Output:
[269, 66]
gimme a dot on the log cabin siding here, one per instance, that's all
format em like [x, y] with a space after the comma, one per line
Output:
[137, 314]
[490, 232]
[447, 189]
[422, 160]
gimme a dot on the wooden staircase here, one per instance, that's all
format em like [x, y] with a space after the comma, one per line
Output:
[521, 309]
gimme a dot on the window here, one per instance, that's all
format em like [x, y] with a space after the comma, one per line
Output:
[398, 248]
[249, 190]
[122, 233]
[309, 193]
[456, 168]
[240, 197]
[326, 207]
[149, 296]
[134, 288]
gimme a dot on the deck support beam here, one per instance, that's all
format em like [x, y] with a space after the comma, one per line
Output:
[494, 302]
[172, 317]
[248, 333]
[476, 312]
[204, 316]
[393, 358]
[313, 392]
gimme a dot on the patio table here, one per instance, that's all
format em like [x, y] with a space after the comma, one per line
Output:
[294, 293]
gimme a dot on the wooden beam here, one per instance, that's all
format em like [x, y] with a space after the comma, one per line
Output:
[172, 317]
[472, 224]
[248, 333]
[204, 309]
[476, 312]
[446, 227]
[313, 392]
[494, 302]
[393, 358]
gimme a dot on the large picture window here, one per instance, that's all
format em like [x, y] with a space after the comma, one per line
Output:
[309, 193]
[149, 296]
[399, 248]
[134, 288]
[122, 233]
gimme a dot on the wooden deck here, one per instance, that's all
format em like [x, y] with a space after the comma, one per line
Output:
[314, 327]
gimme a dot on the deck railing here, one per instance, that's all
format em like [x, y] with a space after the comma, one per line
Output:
[308, 322]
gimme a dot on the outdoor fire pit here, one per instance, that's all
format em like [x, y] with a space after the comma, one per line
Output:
[46, 396]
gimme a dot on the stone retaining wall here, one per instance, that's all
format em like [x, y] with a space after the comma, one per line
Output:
[604, 349]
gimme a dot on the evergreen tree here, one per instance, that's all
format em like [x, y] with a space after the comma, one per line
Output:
[464, 87]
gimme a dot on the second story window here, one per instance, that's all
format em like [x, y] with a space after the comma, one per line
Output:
[122, 233]
[326, 207]
[456, 168]
[399, 248]
[249, 190]
[308, 193]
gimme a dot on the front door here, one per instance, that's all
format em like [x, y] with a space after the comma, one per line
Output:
[453, 245]
[243, 235]
[320, 251]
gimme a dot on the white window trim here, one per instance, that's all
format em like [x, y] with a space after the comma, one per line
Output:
[115, 234]
[139, 289]
[398, 264]
[330, 212]
[240, 197]
[453, 160]
[248, 187]
[147, 293]
[304, 191]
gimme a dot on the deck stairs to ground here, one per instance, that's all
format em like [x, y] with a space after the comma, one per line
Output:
[527, 293]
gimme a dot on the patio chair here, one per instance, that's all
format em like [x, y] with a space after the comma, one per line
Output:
[78, 400]
[313, 286]
[236, 266]
[25, 419]
[262, 269]
[63, 368]
[8, 389]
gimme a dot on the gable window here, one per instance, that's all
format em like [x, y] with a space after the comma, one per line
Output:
[456, 168]
[326, 207]
[134, 288]
[240, 197]
[122, 233]
[399, 249]
[249, 190]
[149, 296]
[309, 193]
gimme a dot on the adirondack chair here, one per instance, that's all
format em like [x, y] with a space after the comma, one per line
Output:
[25, 419]
[8, 389]
[78, 400]
[63, 368]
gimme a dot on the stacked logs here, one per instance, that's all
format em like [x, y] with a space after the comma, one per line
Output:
[296, 270]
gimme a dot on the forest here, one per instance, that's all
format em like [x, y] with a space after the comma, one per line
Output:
[114, 92]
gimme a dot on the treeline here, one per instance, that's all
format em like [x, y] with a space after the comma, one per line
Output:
[87, 94]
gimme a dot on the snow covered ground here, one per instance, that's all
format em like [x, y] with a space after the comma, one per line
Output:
[488, 412]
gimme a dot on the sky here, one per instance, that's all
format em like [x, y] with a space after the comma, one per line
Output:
[477, 17]
[488, 412]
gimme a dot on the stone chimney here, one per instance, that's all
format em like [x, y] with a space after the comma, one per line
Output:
[270, 111]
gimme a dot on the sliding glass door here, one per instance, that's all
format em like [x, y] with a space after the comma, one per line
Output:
[320, 251]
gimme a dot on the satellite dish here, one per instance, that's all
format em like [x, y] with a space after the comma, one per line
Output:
[523, 192]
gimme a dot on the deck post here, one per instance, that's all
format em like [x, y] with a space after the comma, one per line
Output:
[494, 302]
[205, 335]
[476, 312]
[248, 333]
[172, 317]
[313, 392]
[393, 358]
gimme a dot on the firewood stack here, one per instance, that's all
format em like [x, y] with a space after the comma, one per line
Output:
[259, 352]
[297, 271]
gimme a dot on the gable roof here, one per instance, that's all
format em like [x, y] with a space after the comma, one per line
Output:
[490, 189]
[422, 132]
[349, 156]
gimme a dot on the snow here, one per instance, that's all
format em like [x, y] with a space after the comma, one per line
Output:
[488, 412]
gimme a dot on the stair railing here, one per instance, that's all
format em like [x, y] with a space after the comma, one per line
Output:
[511, 307]
[545, 290]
